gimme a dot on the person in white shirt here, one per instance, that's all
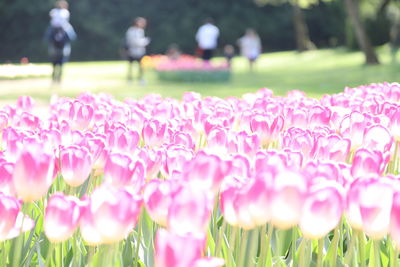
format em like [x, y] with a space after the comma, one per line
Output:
[59, 35]
[206, 37]
[250, 46]
[136, 43]
[60, 14]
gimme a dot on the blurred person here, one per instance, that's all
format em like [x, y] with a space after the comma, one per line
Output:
[229, 52]
[250, 46]
[59, 35]
[393, 14]
[206, 37]
[136, 43]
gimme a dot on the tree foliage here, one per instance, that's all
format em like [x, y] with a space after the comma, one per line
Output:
[101, 25]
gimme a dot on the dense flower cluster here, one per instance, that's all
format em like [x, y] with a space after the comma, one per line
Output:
[291, 161]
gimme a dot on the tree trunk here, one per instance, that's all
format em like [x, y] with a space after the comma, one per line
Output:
[362, 38]
[303, 41]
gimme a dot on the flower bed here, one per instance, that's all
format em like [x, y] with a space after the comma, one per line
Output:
[256, 181]
[190, 69]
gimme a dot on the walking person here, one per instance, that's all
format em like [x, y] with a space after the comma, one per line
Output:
[206, 37]
[250, 46]
[136, 43]
[59, 35]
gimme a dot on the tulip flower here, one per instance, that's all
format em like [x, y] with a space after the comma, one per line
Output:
[13, 222]
[34, 168]
[76, 164]
[247, 205]
[206, 171]
[176, 250]
[158, 196]
[6, 180]
[369, 204]
[61, 217]
[176, 157]
[266, 127]
[154, 132]
[109, 215]
[80, 115]
[288, 194]
[367, 163]
[395, 220]
[378, 138]
[120, 170]
[322, 210]
[190, 210]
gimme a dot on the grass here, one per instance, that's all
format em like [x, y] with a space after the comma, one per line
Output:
[319, 72]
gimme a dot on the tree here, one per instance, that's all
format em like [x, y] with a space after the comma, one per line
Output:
[302, 37]
[353, 11]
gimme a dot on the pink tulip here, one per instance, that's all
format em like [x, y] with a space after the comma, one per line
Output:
[288, 194]
[247, 205]
[184, 139]
[61, 217]
[318, 116]
[247, 143]
[25, 103]
[395, 220]
[266, 127]
[300, 140]
[13, 222]
[332, 147]
[176, 157]
[322, 210]
[158, 196]
[76, 164]
[378, 138]
[352, 127]
[367, 163]
[109, 215]
[369, 203]
[190, 210]
[120, 170]
[34, 168]
[394, 124]
[121, 140]
[206, 171]
[152, 159]
[6, 178]
[296, 117]
[154, 132]
[177, 250]
[80, 115]
[3, 121]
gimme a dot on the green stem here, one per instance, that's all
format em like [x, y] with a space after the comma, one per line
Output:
[268, 242]
[252, 249]
[231, 243]
[320, 252]
[361, 247]
[350, 250]
[219, 240]
[334, 243]
[377, 255]
[3, 252]
[139, 237]
[293, 247]
[49, 255]
[304, 253]
[394, 254]
[243, 248]
[263, 253]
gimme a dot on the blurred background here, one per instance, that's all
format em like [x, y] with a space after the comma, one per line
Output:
[101, 25]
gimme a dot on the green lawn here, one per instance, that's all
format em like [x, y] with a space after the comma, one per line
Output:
[318, 72]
